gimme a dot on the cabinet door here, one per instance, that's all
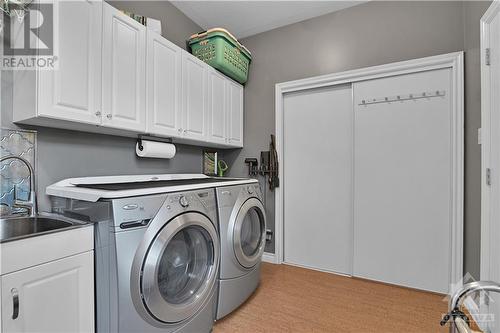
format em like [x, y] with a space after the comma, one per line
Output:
[124, 71]
[195, 92]
[72, 92]
[163, 86]
[217, 106]
[54, 297]
[235, 113]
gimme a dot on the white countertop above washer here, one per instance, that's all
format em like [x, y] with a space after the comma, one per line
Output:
[72, 187]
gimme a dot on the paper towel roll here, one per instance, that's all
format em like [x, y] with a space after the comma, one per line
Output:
[155, 149]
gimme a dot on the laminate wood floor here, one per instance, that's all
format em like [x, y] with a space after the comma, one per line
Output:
[292, 299]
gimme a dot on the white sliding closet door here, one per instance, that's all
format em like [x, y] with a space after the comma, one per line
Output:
[317, 178]
[403, 170]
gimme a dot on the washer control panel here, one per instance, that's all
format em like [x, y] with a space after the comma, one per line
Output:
[136, 212]
[227, 195]
[192, 200]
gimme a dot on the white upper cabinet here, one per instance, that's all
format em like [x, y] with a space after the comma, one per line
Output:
[163, 86]
[225, 110]
[124, 71]
[234, 99]
[114, 73]
[53, 297]
[194, 101]
[72, 91]
[217, 107]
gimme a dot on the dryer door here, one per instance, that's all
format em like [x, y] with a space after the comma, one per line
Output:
[249, 233]
[180, 268]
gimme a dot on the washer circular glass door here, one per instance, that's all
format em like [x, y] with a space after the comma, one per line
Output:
[179, 269]
[249, 233]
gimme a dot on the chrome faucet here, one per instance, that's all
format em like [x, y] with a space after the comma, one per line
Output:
[31, 203]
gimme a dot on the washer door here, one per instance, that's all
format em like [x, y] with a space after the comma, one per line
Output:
[249, 233]
[179, 269]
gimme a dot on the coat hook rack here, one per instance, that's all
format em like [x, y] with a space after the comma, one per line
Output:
[405, 97]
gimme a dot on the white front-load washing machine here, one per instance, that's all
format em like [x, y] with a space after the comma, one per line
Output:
[156, 261]
[242, 227]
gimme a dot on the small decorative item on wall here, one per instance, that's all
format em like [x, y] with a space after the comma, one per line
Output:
[210, 163]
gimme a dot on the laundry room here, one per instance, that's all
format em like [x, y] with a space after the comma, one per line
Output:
[249, 166]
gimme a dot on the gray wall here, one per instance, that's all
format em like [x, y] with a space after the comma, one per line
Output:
[370, 34]
[63, 154]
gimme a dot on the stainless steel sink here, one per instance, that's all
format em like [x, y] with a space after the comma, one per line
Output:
[22, 227]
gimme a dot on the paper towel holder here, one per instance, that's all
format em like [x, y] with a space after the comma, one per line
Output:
[141, 137]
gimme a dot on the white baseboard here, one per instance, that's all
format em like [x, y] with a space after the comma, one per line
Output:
[269, 257]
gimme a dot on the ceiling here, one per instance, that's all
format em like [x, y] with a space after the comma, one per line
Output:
[247, 18]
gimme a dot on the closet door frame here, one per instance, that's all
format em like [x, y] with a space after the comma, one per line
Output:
[490, 269]
[453, 61]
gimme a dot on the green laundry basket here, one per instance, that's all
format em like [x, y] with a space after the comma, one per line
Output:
[221, 50]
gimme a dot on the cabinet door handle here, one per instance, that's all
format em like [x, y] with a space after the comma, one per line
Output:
[15, 303]
[98, 113]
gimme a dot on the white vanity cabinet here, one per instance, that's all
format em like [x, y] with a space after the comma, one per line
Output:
[163, 86]
[73, 91]
[52, 297]
[47, 283]
[123, 71]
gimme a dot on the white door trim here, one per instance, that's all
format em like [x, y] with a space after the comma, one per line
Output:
[454, 61]
[490, 246]
[269, 257]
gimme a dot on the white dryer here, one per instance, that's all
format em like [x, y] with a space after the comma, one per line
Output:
[242, 227]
